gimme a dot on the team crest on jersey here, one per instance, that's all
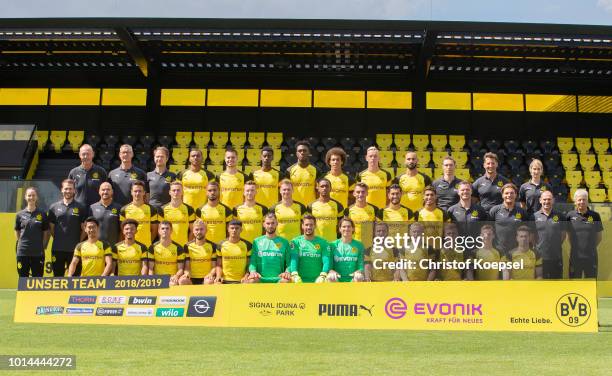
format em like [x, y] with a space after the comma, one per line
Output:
[95, 175]
[18, 265]
[474, 213]
[555, 218]
[500, 184]
[590, 219]
[278, 245]
[75, 210]
[353, 250]
[114, 211]
[317, 247]
[133, 176]
[168, 179]
[542, 188]
[39, 217]
[518, 216]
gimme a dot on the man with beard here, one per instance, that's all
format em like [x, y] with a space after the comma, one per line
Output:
[363, 214]
[508, 216]
[201, 258]
[551, 229]
[431, 216]
[87, 177]
[65, 220]
[270, 256]
[130, 256]
[412, 182]
[448, 185]
[375, 178]
[125, 175]
[327, 211]
[145, 214]
[195, 180]
[303, 175]
[107, 212]
[397, 216]
[488, 188]
[267, 179]
[310, 254]
[214, 214]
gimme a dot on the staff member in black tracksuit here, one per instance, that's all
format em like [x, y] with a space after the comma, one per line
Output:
[585, 233]
[32, 232]
[551, 229]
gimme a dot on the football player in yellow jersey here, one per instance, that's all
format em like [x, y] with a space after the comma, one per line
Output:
[327, 211]
[363, 215]
[486, 253]
[95, 255]
[250, 213]
[376, 179]
[398, 217]
[531, 262]
[303, 175]
[167, 257]
[288, 212]
[415, 254]
[430, 215]
[413, 183]
[145, 214]
[450, 255]
[129, 255]
[179, 214]
[201, 258]
[214, 214]
[267, 179]
[195, 179]
[231, 181]
[341, 183]
[375, 271]
[233, 256]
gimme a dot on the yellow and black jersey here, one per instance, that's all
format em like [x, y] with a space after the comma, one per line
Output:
[530, 260]
[377, 183]
[398, 220]
[490, 255]
[234, 259]
[412, 189]
[93, 257]
[232, 188]
[194, 186]
[267, 186]
[289, 219]
[180, 217]
[146, 215]
[201, 257]
[433, 221]
[216, 218]
[414, 257]
[364, 218]
[252, 220]
[166, 259]
[304, 180]
[448, 255]
[327, 214]
[129, 258]
[378, 273]
[341, 185]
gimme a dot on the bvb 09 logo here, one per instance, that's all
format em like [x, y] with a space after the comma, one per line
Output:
[573, 309]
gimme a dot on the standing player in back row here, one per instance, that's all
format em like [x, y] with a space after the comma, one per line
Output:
[231, 181]
[341, 183]
[195, 179]
[87, 177]
[375, 178]
[529, 192]
[160, 178]
[271, 255]
[267, 179]
[303, 175]
[413, 183]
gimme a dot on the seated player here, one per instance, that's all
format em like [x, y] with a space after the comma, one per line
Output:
[201, 260]
[487, 253]
[380, 274]
[531, 260]
[346, 255]
[167, 257]
[310, 254]
[94, 254]
[129, 255]
[414, 255]
[449, 255]
[233, 256]
[270, 257]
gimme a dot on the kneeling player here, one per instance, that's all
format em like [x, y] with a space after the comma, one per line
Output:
[94, 254]
[531, 260]
[233, 256]
[310, 254]
[418, 256]
[270, 256]
[129, 255]
[167, 257]
[201, 258]
[347, 255]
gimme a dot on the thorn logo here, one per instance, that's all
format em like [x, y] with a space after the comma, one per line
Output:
[396, 308]
[573, 309]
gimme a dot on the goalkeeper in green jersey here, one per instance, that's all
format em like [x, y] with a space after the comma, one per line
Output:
[346, 255]
[310, 254]
[270, 255]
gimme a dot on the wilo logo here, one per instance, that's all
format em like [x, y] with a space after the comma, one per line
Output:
[573, 309]
[170, 312]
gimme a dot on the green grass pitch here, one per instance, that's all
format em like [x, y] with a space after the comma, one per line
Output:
[148, 350]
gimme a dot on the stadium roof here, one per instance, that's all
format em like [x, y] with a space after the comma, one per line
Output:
[417, 51]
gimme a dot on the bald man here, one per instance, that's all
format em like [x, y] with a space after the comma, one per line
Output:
[87, 177]
[107, 212]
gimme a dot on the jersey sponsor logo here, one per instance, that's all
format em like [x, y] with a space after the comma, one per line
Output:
[169, 312]
[49, 310]
[112, 299]
[344, 310]
[78, 311]
[142, 300]
[82, 299]
[269, 254]
[115, 311]
[201, 306]
[139, 312]
[172, 300]
[573, 309]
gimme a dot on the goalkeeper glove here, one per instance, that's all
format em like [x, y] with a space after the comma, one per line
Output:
[295, 277]
[321, 278]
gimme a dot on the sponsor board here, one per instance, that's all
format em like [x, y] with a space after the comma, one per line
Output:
[49, 310]
[112, 299]
[202, 306]
[109, 311]
[142, 300]
[172, 300]
[93, 283]
[79, 311]
[82, 299]
[139, 312]
[169, 312]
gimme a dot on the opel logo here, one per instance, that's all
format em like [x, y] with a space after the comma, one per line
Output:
[201, 306]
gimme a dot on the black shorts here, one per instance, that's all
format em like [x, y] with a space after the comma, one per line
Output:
[231, 282]
[197, 281]
[35, 264]
[552, 269]
[583, 267]
[61, 262]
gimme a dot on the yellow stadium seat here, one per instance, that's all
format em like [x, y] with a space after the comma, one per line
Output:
[424, 158]
[569, 161]
[461, 158]
[384, 141]
[180, 155]
[565, 144]
[219, 139]
[201, 139]
[607, 179]
[463, 174]
[573, 178]
[592, 178]
[274, 139]
[583, 145]
[457, 142]
[609, 195]
[247, 169]
[239, 155]
[438, 173]
[605, 212]
[176, 168]
[600, 145]
[238, 139]
[183, 139]
[256, 139]
[215, 169]
[42, 137]
[58, 138]
[427, 171]
[276, 157]
[386, 158]
[587, 161]
[76, 139]
[216, 156]
[439, 141]
[438, 156]
[402, 141]
[420, 142]
[570, 195]
[254, 156]
[605, 162]
[597, 195]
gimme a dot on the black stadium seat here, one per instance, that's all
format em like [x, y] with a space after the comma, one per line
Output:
[475, 145]
[364, 143]
[493, 145]
[514, 162]
[347, 143]
[143, 160]
[93, 140]
[329, 142]
[165, 140]
[547, 146]
[111, 141]
[290, 142]
[529, 146]
[314, 142]
[147, 140]
[129, 139]
[511, 146]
